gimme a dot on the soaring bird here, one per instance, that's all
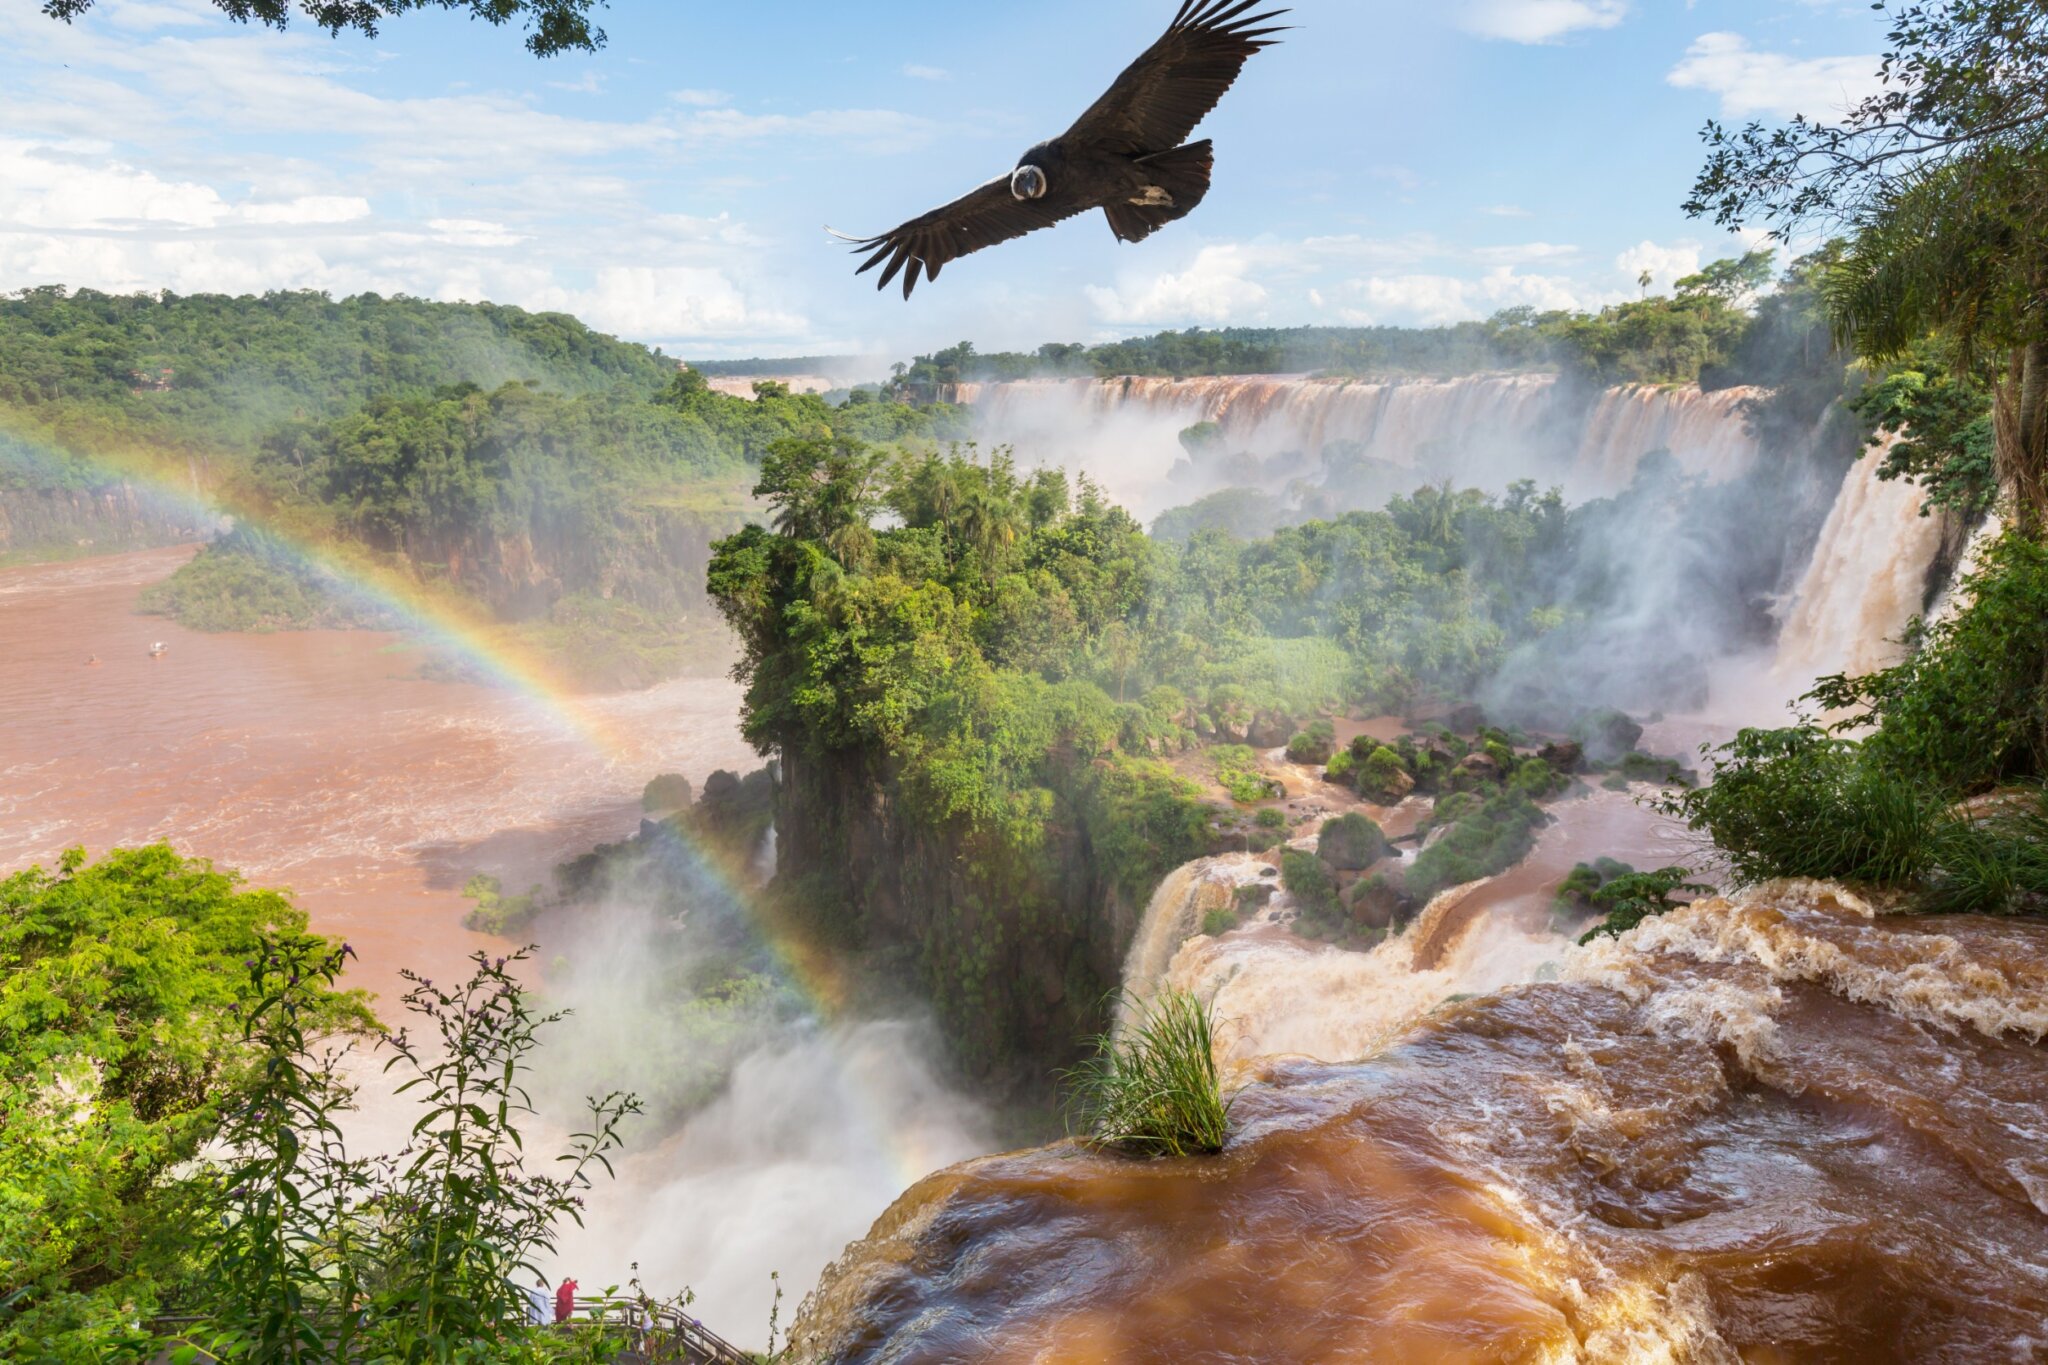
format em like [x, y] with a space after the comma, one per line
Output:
[1124, 156]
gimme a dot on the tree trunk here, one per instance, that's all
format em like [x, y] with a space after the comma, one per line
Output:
[2022, 426]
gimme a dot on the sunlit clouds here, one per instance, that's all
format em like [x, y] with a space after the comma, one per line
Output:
[1391, 166]
[1752, 83]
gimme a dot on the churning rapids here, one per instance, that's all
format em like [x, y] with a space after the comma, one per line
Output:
[1772, 1129]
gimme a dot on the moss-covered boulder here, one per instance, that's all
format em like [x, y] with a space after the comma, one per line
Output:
[1380, 901]
[1606, 736]
[1351, 843]
[1382, 776]
[1270, 730]
[1314, 746]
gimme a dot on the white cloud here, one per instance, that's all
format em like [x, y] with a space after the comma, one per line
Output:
[1666, 264]
[1506, 211]
[1523, 253]
[137, 14]
[702, 99]
[311, 208]
[474, 232]
[1540, 21]
[868, 129]
[42, 190]
[670, 301]
[1435, 300]
[1215, 288]
[1750, 82]
[927, 73]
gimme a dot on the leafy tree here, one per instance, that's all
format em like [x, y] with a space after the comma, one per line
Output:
[821, 489]
[1945, 437]
[1733, 282]
[1939, 179]
[123, 984]
[552, 26]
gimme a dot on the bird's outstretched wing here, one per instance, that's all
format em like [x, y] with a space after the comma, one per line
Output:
[981, 218]
[1160, 97]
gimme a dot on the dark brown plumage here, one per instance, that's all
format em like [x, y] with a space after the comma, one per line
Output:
[1123, 156]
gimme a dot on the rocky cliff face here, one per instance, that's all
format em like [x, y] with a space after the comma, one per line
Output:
[51, 523]
[651, 556]
[1018, 954]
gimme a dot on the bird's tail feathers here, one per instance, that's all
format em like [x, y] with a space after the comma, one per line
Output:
[1181, 176]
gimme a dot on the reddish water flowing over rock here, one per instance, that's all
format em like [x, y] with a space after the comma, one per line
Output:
[1777, 1129]
[311, 760]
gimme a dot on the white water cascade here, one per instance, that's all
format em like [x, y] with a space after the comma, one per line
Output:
[1172, 916]
[1492, 428]
[1866, 581]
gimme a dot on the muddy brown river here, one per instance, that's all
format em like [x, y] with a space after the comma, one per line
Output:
[314, 760]
[1775, 1130]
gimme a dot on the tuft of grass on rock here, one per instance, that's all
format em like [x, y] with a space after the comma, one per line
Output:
[1154, 1091]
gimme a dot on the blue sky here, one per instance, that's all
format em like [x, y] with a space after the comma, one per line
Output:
[1390, 163]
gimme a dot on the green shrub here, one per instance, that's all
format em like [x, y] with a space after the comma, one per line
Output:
[1155, 1091]
[1995, 863]
[1636, 766]
[1536, 779]
[1309, 882]
[1576, 891]
[495, 912]
[1969, 707]
[1382, 775]
[1351, 843]
[324, 1257]
[1314, 745]
[1271, 817]
[1485, 838]
[1633, 897]
[123, 997]
[1341, 768]
[1237, 769]
[1796, 803]
[1218, 922]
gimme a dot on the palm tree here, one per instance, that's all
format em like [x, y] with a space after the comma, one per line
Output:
[987, 522]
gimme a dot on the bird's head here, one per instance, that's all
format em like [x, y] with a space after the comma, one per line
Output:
[1027, 183]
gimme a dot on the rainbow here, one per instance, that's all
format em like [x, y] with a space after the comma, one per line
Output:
[446, 622]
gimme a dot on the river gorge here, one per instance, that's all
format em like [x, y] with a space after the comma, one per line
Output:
[1474, 1141]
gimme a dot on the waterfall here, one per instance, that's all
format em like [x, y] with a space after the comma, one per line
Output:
[1174, 915]
[1487, 428]
[1708, 433]
[1950, 599]
[1867, 579]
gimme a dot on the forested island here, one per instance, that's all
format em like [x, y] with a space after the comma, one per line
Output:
[543, 477]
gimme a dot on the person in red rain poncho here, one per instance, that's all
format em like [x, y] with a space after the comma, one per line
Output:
[565, 1301]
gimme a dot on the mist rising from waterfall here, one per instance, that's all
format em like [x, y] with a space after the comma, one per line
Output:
[776, 1130]
[816, 1133]
[1692, 535]
[1484, 430]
